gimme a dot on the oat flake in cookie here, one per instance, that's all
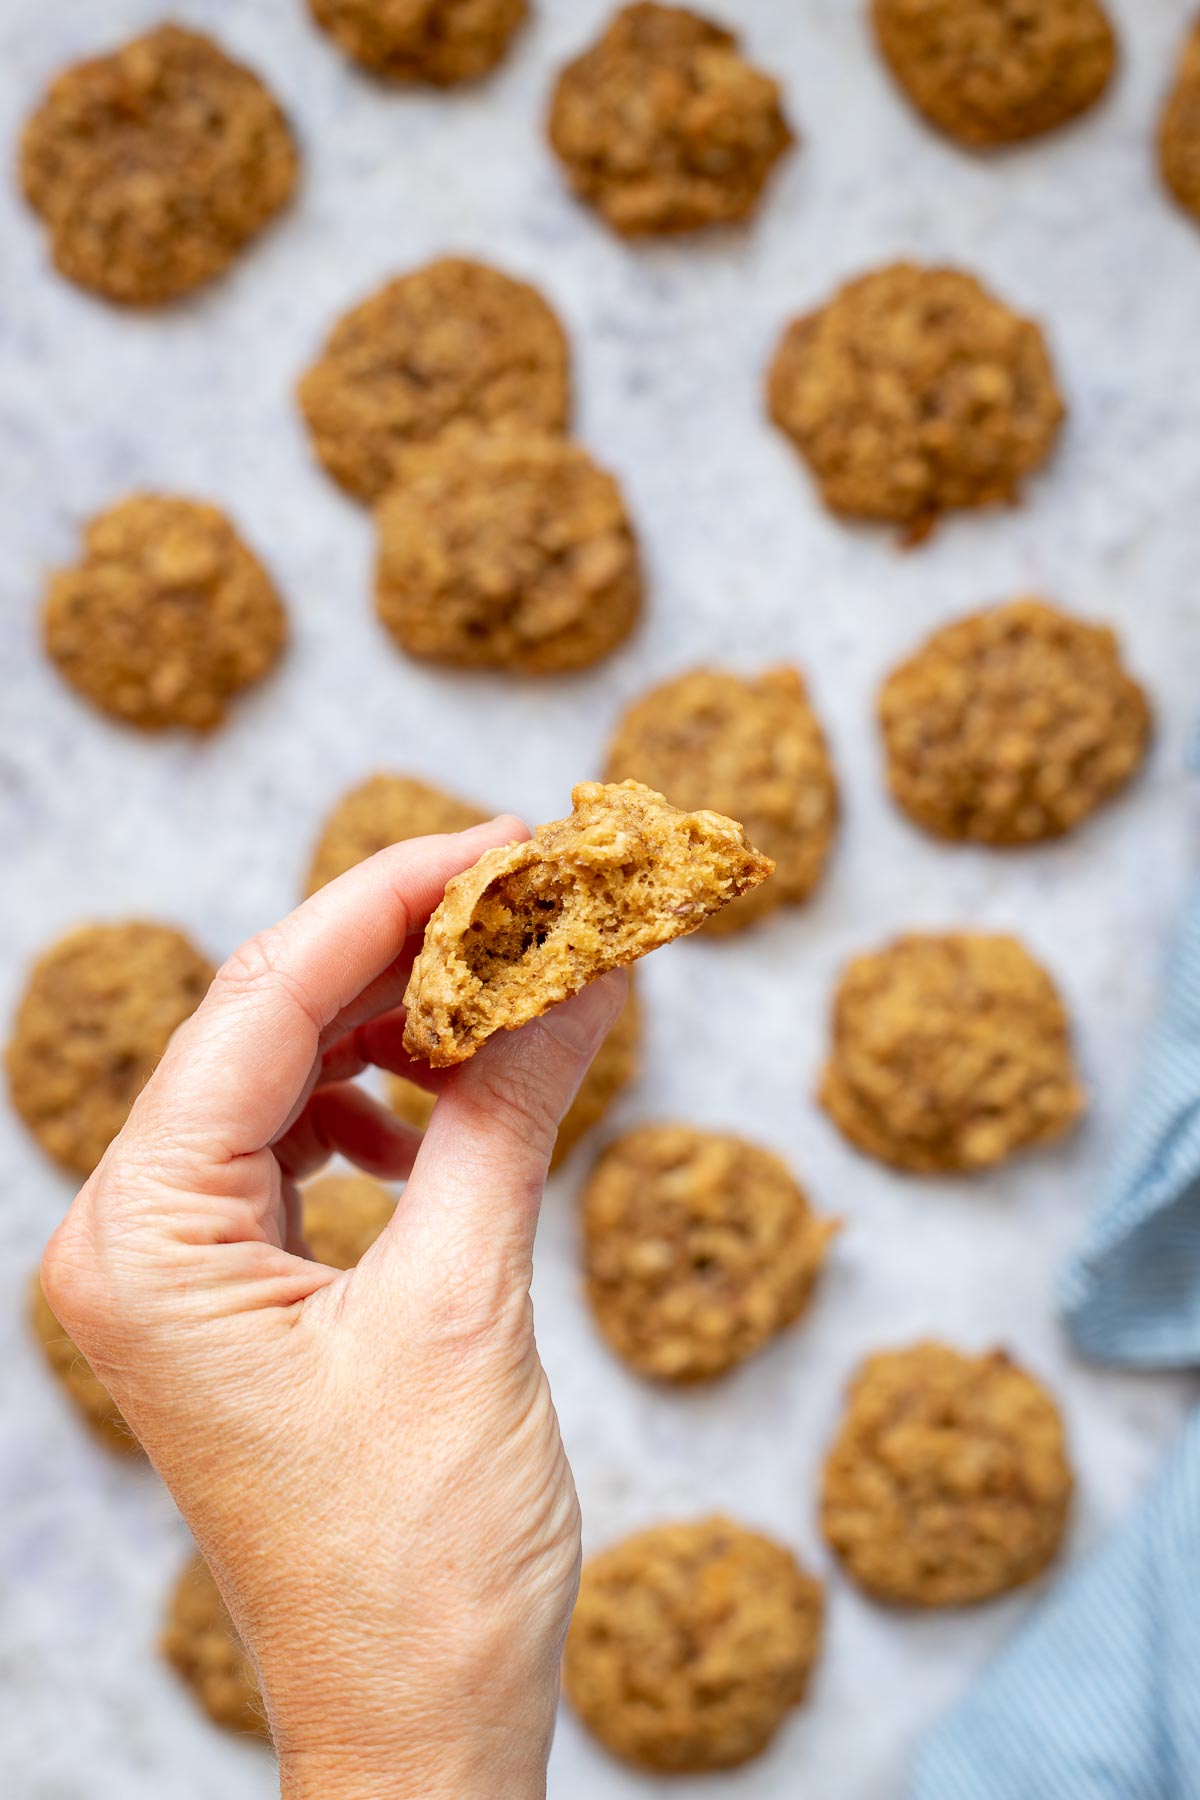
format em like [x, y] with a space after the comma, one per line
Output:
[437, 41]
[201, 1643]
[1179, 131]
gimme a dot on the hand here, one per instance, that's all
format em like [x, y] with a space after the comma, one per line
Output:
[370, 1460]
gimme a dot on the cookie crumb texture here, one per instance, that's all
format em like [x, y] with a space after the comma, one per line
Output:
[202, 1645]
[990, 72]
[507, 551]
[1012, 725]
[948, 1481]
[532, 923]
[75, 1375]
[341, 1216]
[915, 390]
[96, 1016]
[452, 346]
[690, 1644]
[950, 1052]
[1179, 132]
[384, 809]
[152, 167]
[662, 126]
[438, 41]
[748, 747]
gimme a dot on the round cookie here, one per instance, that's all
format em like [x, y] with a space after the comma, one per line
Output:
[748, 747]
[1179, 129]
[948, 1481]
[341, 1216]
[507, 551]
[698, 1248]
[97, 1013]
[1012, 725]
[79, 1381]
[438, 41]
[152, 167]
[202, 1645]
[167, 615]
[990, 72]
[662, 126]
[690, 1644]
[912, 391]
[950, 1052]
[451, 346]
[383, 810]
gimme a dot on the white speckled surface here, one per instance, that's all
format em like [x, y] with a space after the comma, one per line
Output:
[670, 345]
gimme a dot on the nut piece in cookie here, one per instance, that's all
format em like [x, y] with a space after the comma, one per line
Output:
[383, 810]
[1179, 130]
[437, 41]
[948, 1481]
[342, 1215]
[532, 923]
[152, 167]
[97, 1013]
[750, 747]
[912, 391]
[663, 126]
[454, 345]
[202, 1645]
[690, 1644]
[76, 1376]
[950, 1052]
[1012, 725]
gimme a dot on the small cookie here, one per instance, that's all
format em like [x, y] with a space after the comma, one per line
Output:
[1179, 129]
[97, 1013]
[152, 167]
[341, 1216]
[439, 41]
[507, 551]
[749, 747]
[690, 1644]
[76, 1376]
[202, 1645]
[950, 1052]
[948, 1481]
[662, 126]
[912, 391]
[451, 346]
[383, 810]
[167, 615]
[1012, 725]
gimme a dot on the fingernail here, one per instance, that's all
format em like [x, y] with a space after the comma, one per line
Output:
[579, 1023]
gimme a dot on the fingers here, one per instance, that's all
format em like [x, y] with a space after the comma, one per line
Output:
[379, 1044]
[344, 1119]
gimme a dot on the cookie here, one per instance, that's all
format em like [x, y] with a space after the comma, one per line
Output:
[950, 1052]
[153, 166]
[690, 1644]
[97, 1013]
[747, 746]
[663, 126]
[1012, 725]
[76, 1376]
[507, 550]
[990, 72]
[948, 1481]
[341, 1216]
[532, 923]
[202, 1645]
[912, 391]
[454, 346]
[383, 810]
[441, 42]
[1179, 129]
[166, 615]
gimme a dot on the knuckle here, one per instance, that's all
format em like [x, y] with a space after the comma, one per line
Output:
[262, 964]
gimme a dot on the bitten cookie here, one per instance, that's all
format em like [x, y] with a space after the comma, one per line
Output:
[690, 1644]
[152, 167]
[75, 1375]
[438, 41]
[383, 810]
[1179, 131]
[202, 1645]
[342, 1215]
[948, 1481]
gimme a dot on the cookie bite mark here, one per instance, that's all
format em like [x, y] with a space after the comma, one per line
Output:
[1179, 129]
[441, 42]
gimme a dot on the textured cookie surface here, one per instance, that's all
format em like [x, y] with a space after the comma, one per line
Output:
[530, 924]
[342, 1215]
[202, 1645]
[750, 747]
[78, 1379]
[1179, 131]
[383, 810]
[690, 1644]
[439, 41]
[166, 615]
[454, 345]
[948, 1481]
[97, 1013]
[151, 167]
[1012, 725]
[915, 390]
[663, 126]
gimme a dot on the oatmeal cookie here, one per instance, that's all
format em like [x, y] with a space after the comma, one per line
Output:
[383, 810]
[438, 41]
[152, 167]
[948, 1481]
[342, 1215]
[202, 1645]
[912, 391]
[662, 126]
[1179, 130]
[690, 1644]
[455, 346]
[79, 1381]
[750, 747]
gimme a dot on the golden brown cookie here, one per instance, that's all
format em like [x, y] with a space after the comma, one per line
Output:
[948, 1481]
[662, 126]
[76, 1376]
[1179, 129]
[508, 550]
[201, 1643]
[439, 41]
[341, 1216]
[167, 615]
[992, 72]
[950, 1052]
[747, 746]
[1012, 725]
[97, 1013]
[383, 810]
[690, 1644]
[453, 346]
[152, 167]
[915, 390]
